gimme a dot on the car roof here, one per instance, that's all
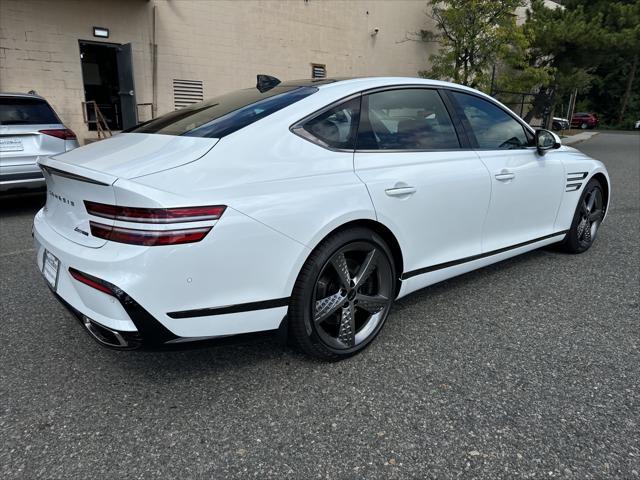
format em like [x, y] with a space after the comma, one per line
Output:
[364, 83]
[22, 95]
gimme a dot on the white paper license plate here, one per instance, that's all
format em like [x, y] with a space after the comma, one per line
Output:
[50, 267]
[11, 145]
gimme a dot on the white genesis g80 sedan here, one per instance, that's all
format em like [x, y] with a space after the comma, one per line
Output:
[304, 206]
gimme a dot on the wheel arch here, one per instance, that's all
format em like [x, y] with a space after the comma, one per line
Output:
[601, 177]
[384, 232]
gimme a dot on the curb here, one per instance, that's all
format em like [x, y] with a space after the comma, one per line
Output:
[578, 137]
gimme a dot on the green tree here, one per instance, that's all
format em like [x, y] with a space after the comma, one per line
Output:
[615, 91]
[472, 35]
[566, 42]
[590, 46]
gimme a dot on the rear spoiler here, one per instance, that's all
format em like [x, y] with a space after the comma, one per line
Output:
[73, 176]
[75, 172]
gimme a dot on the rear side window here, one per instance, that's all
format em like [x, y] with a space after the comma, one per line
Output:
[26, 111]
[226, 114]
[493, 127]
[335, 128]
[406, 119]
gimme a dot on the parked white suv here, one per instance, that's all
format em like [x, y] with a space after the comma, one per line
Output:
[29, 130]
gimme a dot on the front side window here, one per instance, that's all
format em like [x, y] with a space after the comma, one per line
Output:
[334, 128]
[492, 127]
[226, 114]
[406, 119]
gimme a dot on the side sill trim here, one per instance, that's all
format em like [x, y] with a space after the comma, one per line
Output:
[240, 307]
[460, 261]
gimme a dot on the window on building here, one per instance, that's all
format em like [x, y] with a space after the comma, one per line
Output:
[335, 128]
[318, 70]
[187, 92]
[492, 127]
[406, 119]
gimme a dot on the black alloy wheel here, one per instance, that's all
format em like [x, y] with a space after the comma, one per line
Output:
[343, 295]
[587, 219]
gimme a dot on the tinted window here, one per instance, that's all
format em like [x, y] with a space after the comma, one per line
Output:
[411, 119]
[25, 111]
[493, 127]
[336, 127]
[223, 115]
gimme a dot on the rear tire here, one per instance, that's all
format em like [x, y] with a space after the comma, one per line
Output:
[586, 219]
[342, 295]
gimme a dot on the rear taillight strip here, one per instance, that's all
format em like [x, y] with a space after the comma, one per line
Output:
[155, 215]
[91, 281]
[62, 133]
[136, 236]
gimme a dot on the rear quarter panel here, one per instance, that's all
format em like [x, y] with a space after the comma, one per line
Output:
[287, 184]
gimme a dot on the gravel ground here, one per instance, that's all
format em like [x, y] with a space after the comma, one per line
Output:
[525, 369]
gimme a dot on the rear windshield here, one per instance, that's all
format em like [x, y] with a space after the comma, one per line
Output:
[223, 115]
[26, 111]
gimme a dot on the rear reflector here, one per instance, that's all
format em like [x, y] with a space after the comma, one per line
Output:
[155, 215]
[148, 237]
[91, 281]
[63, 133]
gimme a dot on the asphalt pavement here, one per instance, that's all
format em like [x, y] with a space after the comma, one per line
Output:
[526, 369]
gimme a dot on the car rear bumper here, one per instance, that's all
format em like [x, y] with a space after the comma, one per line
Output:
[172, 294]
[20, 176]
[106, 336]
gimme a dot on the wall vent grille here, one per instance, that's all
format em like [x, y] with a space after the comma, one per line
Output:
[187, 92]
[318, 70]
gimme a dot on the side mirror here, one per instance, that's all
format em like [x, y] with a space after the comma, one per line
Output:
[546, 140]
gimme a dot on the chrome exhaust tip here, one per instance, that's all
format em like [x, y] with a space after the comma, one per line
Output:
[106, 336]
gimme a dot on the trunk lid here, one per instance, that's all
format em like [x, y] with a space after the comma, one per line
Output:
[131, 155]
[89, 174]
[67, 189]
[23, 144]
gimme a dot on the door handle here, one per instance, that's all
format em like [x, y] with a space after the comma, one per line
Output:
[505, 176]
[400, 191]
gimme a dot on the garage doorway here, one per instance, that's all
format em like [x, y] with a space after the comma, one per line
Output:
[107, 75]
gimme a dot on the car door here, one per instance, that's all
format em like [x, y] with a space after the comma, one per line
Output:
[431, 191]
[526, 188]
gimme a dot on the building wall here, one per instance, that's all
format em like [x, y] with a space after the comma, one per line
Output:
[226, 43]
[222, 43]
[39, 48]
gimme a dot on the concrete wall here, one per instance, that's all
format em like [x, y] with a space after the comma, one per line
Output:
[222, 43]
[39, 47]
[226, 43]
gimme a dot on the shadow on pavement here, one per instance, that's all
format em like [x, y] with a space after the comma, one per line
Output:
[15, 204]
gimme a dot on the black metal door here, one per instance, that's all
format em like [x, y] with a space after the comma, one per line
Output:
[127, 87]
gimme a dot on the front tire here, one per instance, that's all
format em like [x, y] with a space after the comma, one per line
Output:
[586, 220]
[343, 295]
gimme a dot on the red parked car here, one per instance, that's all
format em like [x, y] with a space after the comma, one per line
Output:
[584, 120]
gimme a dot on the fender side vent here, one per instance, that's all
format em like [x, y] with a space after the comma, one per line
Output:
[574, 180]
[576, 176]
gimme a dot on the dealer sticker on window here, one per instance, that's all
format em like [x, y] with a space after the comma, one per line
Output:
[50, 267]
